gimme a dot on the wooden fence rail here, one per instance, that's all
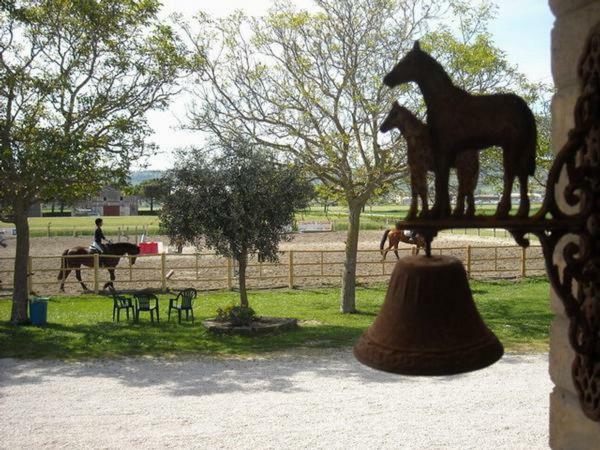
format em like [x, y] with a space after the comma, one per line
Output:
[295, 268]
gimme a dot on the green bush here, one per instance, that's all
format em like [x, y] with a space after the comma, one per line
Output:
[238, 316]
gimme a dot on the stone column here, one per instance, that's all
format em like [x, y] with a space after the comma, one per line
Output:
[569, 427]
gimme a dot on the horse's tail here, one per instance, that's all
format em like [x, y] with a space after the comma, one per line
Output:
[531, 149]
[384, 238]
[62, 264]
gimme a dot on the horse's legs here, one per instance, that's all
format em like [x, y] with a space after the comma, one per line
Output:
[78, 276]
[112, 278]
[65, 274]
[441, 207]
[524, 204]
[504, 205]
[412, 210]
[396, 253]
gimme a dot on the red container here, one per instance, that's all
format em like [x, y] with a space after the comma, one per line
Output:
[148, 248]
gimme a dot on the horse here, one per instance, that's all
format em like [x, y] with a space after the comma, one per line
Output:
[86, 258]
[396, 236]
[420, 160]
[458, 120]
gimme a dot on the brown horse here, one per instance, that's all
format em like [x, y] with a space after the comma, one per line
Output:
[458, 120]
[420, 160]
[84, 257]
[395, 236]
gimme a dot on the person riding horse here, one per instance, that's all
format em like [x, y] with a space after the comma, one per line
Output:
[395, 236]
[98, 237]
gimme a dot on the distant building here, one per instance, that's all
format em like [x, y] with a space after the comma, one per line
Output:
[109, 202]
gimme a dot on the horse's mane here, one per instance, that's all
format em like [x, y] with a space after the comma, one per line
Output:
[409, 119]
[435, 67]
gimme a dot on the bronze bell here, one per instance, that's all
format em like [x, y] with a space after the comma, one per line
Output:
[428, 323]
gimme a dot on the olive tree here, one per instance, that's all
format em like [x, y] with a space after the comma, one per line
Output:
[76, 81]
[239, 203]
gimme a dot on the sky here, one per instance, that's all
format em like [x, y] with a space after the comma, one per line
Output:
[521, 29]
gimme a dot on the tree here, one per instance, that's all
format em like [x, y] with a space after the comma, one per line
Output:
[309, 85]
[154, 189]
[76, 80]
[238, 204]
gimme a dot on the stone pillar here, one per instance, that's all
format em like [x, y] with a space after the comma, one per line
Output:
[569, 427]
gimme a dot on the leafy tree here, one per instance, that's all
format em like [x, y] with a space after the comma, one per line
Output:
[308, 84]
[238, 204]
[76, 81]
[152, 190]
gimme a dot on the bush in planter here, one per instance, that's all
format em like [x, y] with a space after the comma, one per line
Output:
[238, 316]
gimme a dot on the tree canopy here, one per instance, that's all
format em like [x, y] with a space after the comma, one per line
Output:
[239, 203]
[76, 81]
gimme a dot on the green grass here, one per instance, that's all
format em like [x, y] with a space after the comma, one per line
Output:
[81, 327]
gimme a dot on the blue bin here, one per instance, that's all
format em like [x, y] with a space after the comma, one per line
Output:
[38, 310]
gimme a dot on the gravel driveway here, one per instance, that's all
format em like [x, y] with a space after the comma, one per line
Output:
[299, 400]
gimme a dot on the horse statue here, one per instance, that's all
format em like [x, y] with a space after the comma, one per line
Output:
[395, 236]
[458, 120]
[85, 257]
[420, 160]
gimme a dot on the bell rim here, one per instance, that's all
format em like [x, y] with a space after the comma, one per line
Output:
[420, 362]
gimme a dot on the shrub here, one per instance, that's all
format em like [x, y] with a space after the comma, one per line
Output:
[238, 316]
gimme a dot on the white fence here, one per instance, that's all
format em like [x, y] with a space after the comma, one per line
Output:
[296, 268]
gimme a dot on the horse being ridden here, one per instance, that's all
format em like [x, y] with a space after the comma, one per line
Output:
[395, 236]
[420, 160]
[85, 257]
[458, 120]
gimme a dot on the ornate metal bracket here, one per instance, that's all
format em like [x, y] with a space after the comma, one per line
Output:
[568, 227]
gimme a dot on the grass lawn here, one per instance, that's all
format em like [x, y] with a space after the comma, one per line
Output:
[81, 327]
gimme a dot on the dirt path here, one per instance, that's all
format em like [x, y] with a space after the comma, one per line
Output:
[319, 400]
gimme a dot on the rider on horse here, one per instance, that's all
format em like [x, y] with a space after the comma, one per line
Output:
[395, 236]
[98, 237]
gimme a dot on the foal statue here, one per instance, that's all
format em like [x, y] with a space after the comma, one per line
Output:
[420, 160]
[458, 120]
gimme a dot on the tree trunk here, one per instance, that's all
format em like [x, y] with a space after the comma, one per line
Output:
[53, 204]
[62, 207]
[151, 204]
[348, 294]
[20, 294]
[242, 263]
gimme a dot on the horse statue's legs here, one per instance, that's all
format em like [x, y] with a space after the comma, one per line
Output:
[441, 207]
[524, 206]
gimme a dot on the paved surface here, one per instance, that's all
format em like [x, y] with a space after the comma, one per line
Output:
[317, 400]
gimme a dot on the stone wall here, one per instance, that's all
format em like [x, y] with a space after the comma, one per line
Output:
[569, 427]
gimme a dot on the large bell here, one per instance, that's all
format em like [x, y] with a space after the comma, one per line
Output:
[428, 323]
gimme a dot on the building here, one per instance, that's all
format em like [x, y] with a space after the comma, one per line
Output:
[110, 201]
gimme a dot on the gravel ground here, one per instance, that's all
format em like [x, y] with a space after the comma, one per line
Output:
[298, 400]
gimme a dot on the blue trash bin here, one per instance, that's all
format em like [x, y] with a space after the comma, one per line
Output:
[38, 310]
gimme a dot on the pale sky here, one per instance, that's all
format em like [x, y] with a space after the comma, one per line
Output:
[522, 29]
